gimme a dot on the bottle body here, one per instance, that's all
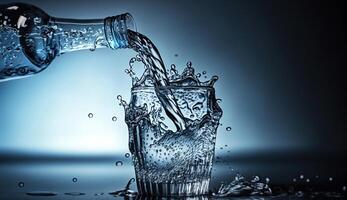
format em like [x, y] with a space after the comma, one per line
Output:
[30, 39]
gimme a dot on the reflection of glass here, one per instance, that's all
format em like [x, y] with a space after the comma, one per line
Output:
[173, 163]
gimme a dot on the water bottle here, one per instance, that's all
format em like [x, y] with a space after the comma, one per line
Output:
[30, 39]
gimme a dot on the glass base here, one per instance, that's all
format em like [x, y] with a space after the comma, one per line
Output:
[173, 189]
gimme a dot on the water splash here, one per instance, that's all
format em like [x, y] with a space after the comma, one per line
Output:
[241, 187]
[126, 192]
[152, 60]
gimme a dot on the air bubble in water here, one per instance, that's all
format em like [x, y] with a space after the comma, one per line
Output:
[204, 72]
[344, 188]
[127, 155]
[99, 194]
[228, 128]
[302, 176]
[21, 184]
[119, 163]
[74, 180]
[90, 115]
[294, 179]
[176, 55]
[114, 118]
[308, 180]
[330, 179]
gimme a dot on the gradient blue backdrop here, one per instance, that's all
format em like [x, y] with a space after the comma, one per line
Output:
[277, 62]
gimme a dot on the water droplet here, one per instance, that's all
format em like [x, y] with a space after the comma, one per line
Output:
[114, 118]
[299, 194]
[204, 72]
[74, 180]
[20, 184]
[267, 180]
[228, 128]
[344, 188]
[90, 115]
[302, 176]
[308, 180]
[119, 163]
[255, 179]
[74, 193]
[119, 97]
[127, 155]
[294, 179]
[330, 178]
[41, 193]
[189, 64]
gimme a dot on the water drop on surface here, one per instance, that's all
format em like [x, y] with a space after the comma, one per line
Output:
[228, 128]
[119, 163]
[114, 118]
[90, 115]
[74, 193]
[21, 184]
[41, 193]
[74, 180]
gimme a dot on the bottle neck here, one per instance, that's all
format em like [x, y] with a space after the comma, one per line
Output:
[73, 35]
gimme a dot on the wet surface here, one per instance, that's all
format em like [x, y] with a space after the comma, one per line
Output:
[99, 178]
